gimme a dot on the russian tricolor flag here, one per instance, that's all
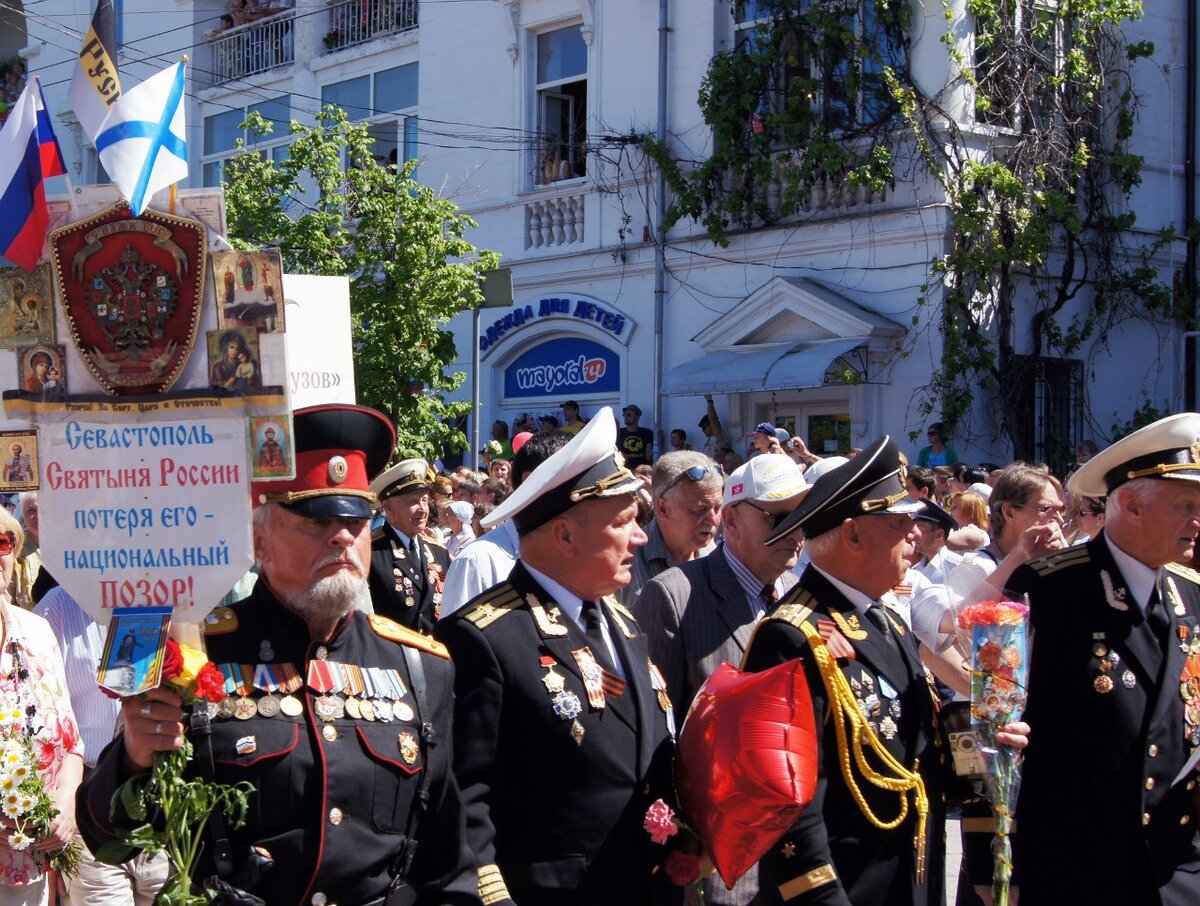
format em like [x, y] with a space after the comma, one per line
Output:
[28, 154]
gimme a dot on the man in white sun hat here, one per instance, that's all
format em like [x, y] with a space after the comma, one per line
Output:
[701, 613]
[562, 736]
[1108, 803]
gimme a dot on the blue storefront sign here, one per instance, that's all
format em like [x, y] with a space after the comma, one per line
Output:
[561, 368]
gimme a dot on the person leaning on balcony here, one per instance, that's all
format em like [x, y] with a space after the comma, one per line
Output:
[554, 167]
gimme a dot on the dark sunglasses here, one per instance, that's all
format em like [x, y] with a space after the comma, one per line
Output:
[695, 473]
[8, 542]
[773, 518]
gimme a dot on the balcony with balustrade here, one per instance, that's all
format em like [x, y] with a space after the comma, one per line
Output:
[249, 49]
[355, 22]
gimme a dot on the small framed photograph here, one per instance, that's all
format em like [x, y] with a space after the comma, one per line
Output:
[271, 454]
[20, 469]
[26, 307]
[234, 363]
[133, 651]
[42, 371]
[249, 290]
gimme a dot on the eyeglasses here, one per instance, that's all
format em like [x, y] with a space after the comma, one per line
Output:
[1083, 512]
[695, 473]
[8, 542]
[773, 518]
[1044, 509]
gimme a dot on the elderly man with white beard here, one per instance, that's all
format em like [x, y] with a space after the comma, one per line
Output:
[341, 721]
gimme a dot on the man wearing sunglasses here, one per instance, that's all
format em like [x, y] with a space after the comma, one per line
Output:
[686, 487]
[701, 613]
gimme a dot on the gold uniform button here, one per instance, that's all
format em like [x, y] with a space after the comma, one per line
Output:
[1152, 751]
[1149, 783]
[1146, 818]
[1185, 819]
[329, 731]
[335, 816]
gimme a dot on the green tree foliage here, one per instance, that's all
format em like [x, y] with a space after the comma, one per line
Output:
[1042, 252]
[333, 210]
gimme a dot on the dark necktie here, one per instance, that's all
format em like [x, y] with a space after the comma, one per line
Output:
[1156, 614]
[877, 616]
[593, 628]
[769, 596]
[414, 549]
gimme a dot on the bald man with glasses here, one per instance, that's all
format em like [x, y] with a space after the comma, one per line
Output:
[687, 510]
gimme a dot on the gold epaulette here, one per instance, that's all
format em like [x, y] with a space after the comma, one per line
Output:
[377, 534]
[220, 621]
[1052, 563]
[492, 888]
[394, 632]
[435, 540]
[1184, 572]
[503, 599]
[795, 610]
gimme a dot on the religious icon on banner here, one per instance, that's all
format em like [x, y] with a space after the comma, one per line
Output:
[19, 469]
[249, 290]
[42, 371]
[26, 307]
[234, 363]
[131, 289]
[271, 456]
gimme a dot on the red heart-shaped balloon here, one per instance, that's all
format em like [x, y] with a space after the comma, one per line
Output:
[747, 762]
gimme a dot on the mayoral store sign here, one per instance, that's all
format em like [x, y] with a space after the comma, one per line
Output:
[152, 513]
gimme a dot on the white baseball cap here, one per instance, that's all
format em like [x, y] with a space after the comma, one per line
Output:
[767, 477]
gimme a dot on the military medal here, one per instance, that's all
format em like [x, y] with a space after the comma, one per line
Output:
[403, 711]
[554, 682]
[367, 710]
[577, 732]
[226, 707]
[1189, 691]
[1099, 649]
[383, 710]
[245, 709]
[1103, 683]
[887, 727]
[567, 705]
[659, 685]
[1128, 680]
[290, 705]
[409, 749]
[352, 708]
[268, 706]
[265, 651]
[329, 707]
[593, 677]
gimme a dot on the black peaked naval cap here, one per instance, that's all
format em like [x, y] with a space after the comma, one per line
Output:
[931, 512]
[871, 483]
[338, 449]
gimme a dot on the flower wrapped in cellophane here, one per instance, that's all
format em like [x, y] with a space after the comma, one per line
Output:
[995, 635]
[24, 800]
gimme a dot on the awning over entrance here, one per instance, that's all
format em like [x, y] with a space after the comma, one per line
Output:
[777, 366]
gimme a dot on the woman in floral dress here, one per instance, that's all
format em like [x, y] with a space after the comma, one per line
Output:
[32, 675]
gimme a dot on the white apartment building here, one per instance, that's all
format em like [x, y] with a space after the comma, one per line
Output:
[529, 114]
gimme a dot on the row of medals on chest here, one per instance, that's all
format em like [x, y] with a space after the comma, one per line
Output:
[363, 693]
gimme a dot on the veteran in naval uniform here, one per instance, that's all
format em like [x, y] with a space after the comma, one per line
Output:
[1108, 801]
[866, 840]
[562, 723]
[408, 566]
[340, 720]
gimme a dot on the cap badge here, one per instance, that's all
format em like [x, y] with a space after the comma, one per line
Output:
[1195, 449]
[338, 470]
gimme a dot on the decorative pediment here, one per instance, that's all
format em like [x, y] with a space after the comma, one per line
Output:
[794, 310]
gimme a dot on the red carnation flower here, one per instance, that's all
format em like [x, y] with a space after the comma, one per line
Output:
[683, 868]
[172, 665]
[210, 683]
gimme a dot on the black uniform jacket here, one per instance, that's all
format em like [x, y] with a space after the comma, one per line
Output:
[834, 854]
[1100, 818]
[399, 589]
[555, 800]
[332, 797]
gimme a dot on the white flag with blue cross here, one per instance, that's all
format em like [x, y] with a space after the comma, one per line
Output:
[143, 140]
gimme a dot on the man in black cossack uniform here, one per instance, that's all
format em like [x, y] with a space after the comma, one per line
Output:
[340, 720]
[1108, 807]
[562, 724]
[407, 565]
[877, 839]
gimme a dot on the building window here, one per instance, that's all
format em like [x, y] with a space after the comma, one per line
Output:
[222, 131]
[840, 87]
[387, 102]
[1048, 421]
[561, 92]
[1017, 59]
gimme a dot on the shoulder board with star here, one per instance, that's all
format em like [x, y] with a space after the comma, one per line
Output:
[795, 610]
[1048, 564]
[377, 534]
[394, 632]
[220, 621]
[504, 599]
[1184, 572]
